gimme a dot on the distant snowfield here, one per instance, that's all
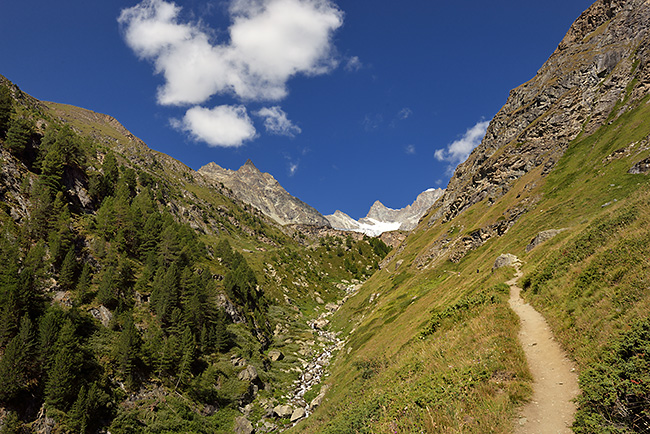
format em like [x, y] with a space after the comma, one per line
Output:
[382, 219]
[376, 228]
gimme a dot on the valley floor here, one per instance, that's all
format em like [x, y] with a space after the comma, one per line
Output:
[552, 408]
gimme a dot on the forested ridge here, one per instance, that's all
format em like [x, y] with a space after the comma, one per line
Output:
[115, 313]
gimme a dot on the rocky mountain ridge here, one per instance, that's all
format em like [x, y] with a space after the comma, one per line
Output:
[265, 193]
[600, 70]
[382, 219]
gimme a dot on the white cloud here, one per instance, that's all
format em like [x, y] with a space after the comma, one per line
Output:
[353, 64]
[372, 121]
[293, 168]
[276, 122]
[458, 151]
[404, 113]
[226, 126]
[270, 42]
[410, 149]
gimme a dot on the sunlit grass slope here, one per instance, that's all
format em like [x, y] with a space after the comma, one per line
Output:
[434, 349]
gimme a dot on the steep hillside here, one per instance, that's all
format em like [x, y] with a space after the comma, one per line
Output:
[137, 295]
[561, 181]
[599, 71]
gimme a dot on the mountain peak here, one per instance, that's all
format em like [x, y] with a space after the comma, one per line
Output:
[381, 219]
[249, 165]
[264, 192]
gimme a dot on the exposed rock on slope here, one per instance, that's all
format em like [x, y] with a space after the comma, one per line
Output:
[382, 219]
[265, 193]
[600, 70]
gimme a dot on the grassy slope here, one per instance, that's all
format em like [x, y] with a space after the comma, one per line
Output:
[470, 375]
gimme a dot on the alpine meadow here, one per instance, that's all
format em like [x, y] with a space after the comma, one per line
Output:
[138, 295]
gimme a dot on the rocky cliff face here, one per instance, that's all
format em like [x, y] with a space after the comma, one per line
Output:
[382, 219]
[599, 70]
[265, 193]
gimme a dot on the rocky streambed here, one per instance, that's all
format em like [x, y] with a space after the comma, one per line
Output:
[315, 370]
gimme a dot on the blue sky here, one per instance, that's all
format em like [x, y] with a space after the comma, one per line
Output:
[344, 103]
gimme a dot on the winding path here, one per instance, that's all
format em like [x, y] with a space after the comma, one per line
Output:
[551, 409]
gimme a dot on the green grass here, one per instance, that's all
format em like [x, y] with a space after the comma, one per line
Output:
[434, 349]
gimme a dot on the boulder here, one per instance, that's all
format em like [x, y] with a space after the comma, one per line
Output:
[319, 399]
[276, 355]
[298, 414]
[321, 323]
[102, 314]
[283, 410]
[243, 426]
[542, 237]
[505, 260]
[248, 374]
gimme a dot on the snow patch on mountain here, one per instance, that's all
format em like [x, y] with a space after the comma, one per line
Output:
[382, 219]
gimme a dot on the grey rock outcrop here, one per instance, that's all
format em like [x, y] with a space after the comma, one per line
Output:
[265, 193]
[600, 70]
[542, 237]
[642, 166]
[319, 398]
[243, 426]
[102, 314]
[342, 221]
[505, 260]
[248, 374]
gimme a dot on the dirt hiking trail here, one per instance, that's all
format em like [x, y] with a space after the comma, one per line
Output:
[551, 409]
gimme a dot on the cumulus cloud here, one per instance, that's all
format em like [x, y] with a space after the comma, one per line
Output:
[227, 126]
[276, 122]
[458, 151]
[353, 64]
[270, 41]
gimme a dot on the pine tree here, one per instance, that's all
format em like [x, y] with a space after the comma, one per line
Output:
[17, 363]
[60, 237]
[111, 172]
[42, 215]
[107, 291]
[48, 333]
[77, 417]
[83, 284]
[68, 273]
[88, 409]
[19, 136]
[10, 290]
[60, 388]
[221, 338]
[128, 348]
[5, 109]
[188, 347]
